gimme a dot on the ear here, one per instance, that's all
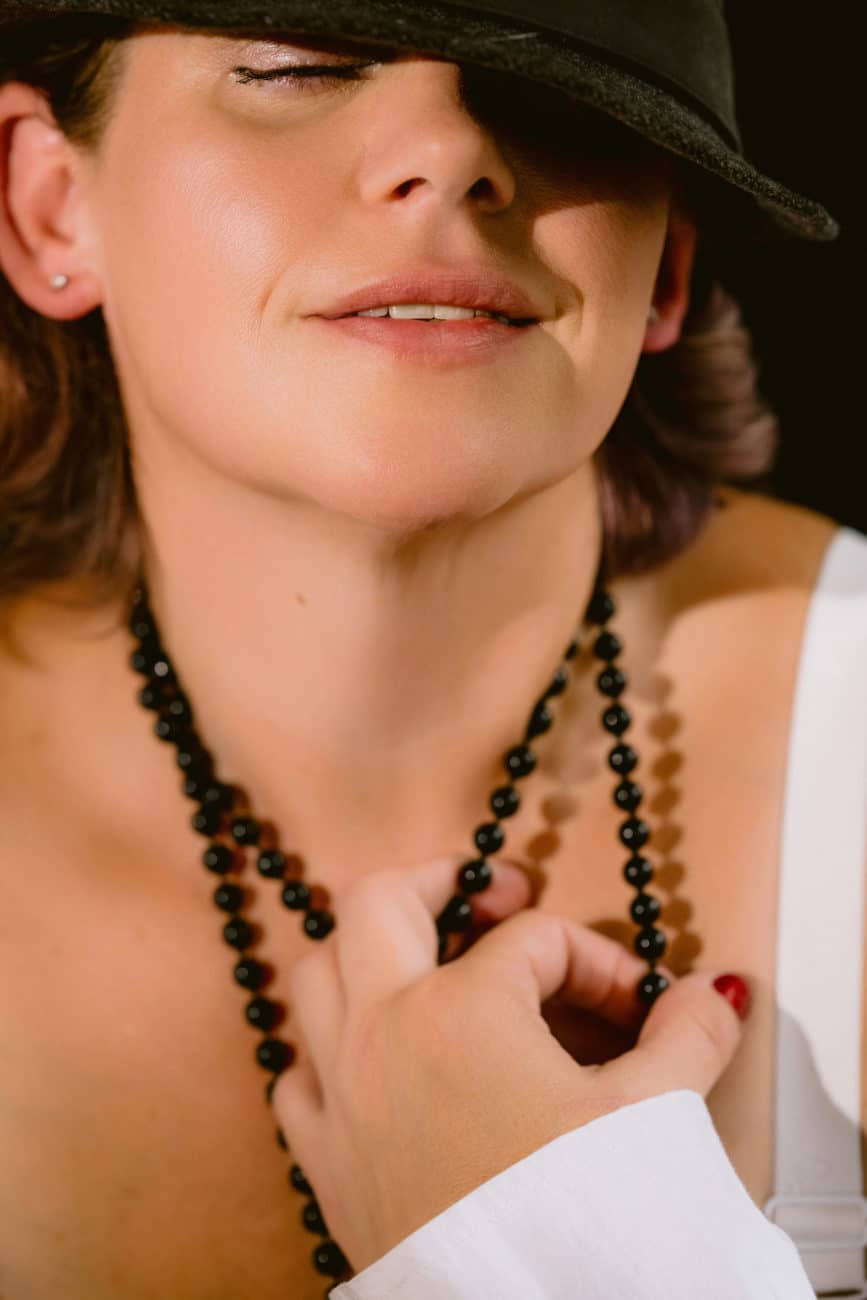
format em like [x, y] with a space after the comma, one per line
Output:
[40, 217]
[671, 294]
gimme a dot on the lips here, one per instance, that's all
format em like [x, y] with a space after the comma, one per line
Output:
[481, 289]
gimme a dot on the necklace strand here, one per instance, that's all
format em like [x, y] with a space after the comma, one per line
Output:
[223, 816]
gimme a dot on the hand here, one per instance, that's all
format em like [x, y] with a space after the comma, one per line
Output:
[417, 1082]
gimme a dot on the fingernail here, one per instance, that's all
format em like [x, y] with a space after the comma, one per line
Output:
[509, 868]
[736, 991]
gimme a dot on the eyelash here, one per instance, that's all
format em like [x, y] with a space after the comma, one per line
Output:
[305, 75]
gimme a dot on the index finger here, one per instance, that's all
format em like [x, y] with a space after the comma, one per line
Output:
[386, 934]
[540, 955]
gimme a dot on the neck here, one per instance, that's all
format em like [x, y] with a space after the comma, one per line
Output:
[362, 687]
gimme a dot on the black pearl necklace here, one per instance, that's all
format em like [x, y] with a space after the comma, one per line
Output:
[225, 819]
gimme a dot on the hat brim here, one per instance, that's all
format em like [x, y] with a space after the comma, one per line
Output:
[659, 113]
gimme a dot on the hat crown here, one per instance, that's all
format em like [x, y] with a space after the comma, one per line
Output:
[684, 43]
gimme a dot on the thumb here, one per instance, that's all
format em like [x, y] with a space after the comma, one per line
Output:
[690, 1034]
[512, 888]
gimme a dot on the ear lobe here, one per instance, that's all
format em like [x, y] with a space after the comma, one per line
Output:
[36, 243]
[671, 295]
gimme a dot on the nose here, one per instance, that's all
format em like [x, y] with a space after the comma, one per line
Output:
[428, 148]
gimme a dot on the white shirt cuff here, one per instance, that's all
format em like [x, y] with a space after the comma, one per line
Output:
[641, 1203]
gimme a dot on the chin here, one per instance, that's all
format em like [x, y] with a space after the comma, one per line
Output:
[408, 503]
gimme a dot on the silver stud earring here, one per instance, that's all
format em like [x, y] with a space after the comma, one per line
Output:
[59, 281]
[653, 316]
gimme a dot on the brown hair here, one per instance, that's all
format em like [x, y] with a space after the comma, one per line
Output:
[693, 417]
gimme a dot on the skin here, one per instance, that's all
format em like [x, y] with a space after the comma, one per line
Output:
[408, 515]
[386, 1032]
[413, 547]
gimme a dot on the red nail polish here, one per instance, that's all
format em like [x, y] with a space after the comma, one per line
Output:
[736, 991]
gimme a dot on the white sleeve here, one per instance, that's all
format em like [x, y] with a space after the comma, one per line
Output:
[643, 1202]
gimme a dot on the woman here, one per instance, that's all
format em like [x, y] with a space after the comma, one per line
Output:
[357, 538]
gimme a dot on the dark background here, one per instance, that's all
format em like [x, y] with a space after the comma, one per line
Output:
[800, 84]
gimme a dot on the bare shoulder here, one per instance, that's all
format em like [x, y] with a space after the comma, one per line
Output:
[755, 542]
[71, 740]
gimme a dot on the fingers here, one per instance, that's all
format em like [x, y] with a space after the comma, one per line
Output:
[317, 1004]
[688, 1039]
[386, 934]
[541, 954]
[297, 1104]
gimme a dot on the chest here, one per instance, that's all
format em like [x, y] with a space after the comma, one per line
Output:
[139, 1153]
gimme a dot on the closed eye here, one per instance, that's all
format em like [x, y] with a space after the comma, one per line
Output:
[305, 76]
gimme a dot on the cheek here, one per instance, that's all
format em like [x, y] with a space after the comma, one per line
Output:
[610, 252]
[198, 240]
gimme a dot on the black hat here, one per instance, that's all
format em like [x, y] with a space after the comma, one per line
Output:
[662, 67]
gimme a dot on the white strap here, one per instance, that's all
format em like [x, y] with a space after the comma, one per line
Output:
[818, 1181]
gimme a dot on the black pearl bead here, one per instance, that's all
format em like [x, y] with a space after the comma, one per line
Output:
[217, 795]
[616, 719]
[623, 760]
[475, 876]
[140, 663]
[489, 838]
[296, 895]
[207, 821]
[557, 684]
[645, 909]
[299, 1182]
[169, 729]
[271, 864]
[194, 788]
[179, 707]
[193, 761]
[650, 943]
[456, 916]
[274, 1055]
[540, 721]
[228, 897]
[218, 858]
[600, 608]
[311, 1217]
[611, 682]
[317, 925]
[329, 1259]
[162, 670]
[651, 986]
[145, 655]
[607, 646]
[246, 830]
[238, 933]
[442, 947]
[519, 761]
[150, 697]
[634, 833]
[627, 796]
[142, 626]
[638, 871]
[250, 973]
[505, 801]
[262, 1013]
[571, 650]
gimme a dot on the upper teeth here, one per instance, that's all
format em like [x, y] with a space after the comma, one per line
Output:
[414, 311]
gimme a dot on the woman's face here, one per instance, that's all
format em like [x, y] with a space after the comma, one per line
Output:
[226, 214]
